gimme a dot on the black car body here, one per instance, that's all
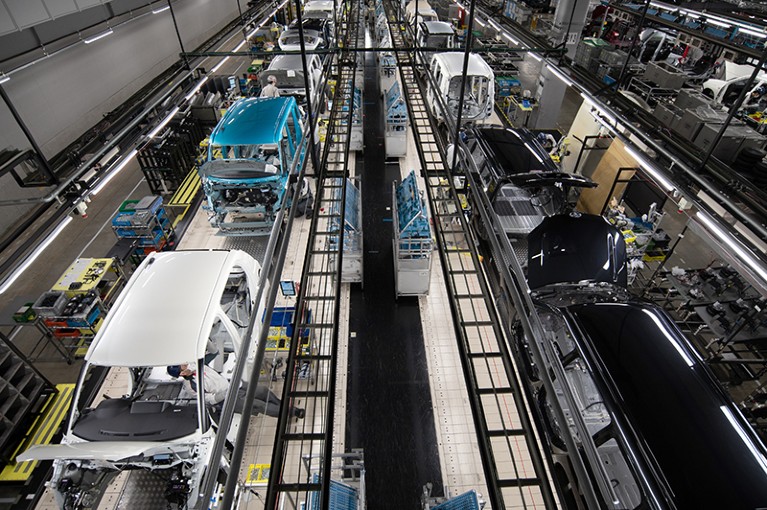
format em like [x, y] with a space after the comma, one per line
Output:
[650, 421]
[519, 178]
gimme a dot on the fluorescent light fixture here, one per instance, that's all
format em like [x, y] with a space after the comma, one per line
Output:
[567, 81]
[536, 57]
[647, 167]
[161, 9]
[111, 173]
[480, 23]
[266, 19]
[494, 24]
[164, 123]
[715, 20]
[510, 38]
[712, 21]
[4, 79]
[196, 88]
[603, 115]
[459, 4]
[239, 46]
[223, 60]
[731, 243]
[752, 32]
[33, 256]
[96, 37]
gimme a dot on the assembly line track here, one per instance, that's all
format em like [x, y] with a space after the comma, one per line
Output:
[680, 159]
[301, 461]
[514, 466]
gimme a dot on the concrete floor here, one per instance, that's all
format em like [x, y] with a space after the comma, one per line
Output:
[84, 237]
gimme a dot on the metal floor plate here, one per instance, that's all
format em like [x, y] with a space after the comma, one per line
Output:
[255, 246]
[143, 491]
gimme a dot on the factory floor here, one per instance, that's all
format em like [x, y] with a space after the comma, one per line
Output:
[389, 379]
[389, 413]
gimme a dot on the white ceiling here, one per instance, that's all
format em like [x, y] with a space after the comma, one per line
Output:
[20, 14]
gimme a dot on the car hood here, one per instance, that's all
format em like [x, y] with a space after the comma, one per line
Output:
[572, 248]
[104, 451]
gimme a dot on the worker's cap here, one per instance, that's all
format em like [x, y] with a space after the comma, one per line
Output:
[271, 79]
[174, 370]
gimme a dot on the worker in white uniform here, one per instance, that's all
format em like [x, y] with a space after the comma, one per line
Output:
[271, 89]
[216, 384]
[216, 388]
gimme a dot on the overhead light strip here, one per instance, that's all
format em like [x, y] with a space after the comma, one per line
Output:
[161, 9]
[4, 79]
[746, 28]
[112, 173]
[196, 88]
[649, 168]
[96, 37]
[567, 81]
[223, 61]
[164, 122]
[733, 244]
[33, 256]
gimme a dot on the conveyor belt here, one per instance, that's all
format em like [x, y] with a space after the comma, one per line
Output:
[514, 469]
[300, 458]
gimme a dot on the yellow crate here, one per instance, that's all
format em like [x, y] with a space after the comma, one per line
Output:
[258, 474]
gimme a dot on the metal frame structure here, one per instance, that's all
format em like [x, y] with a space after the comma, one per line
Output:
[320, 290]
[486, 361]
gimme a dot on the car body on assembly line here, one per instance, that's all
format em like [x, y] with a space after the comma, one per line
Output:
[178, 308]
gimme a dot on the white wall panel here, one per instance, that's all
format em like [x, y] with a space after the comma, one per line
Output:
[64, 95]
[6, 23]
[84, 4]
[27, 13]
[58, 8]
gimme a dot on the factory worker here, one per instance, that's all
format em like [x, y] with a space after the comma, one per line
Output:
[271, 89]
[216, 385]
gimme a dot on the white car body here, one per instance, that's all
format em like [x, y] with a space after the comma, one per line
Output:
[175, 306]
[290, 40]
[320, 5]
[289, 71]
[425, 12]
[730, 75]
[447, 72]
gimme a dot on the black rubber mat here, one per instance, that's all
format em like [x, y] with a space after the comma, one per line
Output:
[389, 407]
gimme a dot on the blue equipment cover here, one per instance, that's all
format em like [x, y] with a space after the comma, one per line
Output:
[342, 496]
[466, 501]
[411, 211]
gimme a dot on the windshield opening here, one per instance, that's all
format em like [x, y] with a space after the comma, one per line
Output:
[157, 409]
[475, 95]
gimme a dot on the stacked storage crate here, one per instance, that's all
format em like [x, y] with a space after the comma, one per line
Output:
[588, 52]
[146, 221]
[71, 319]
[167, 159]
[73, 310]
[505, 86]
[23, 393]
[610, 64]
